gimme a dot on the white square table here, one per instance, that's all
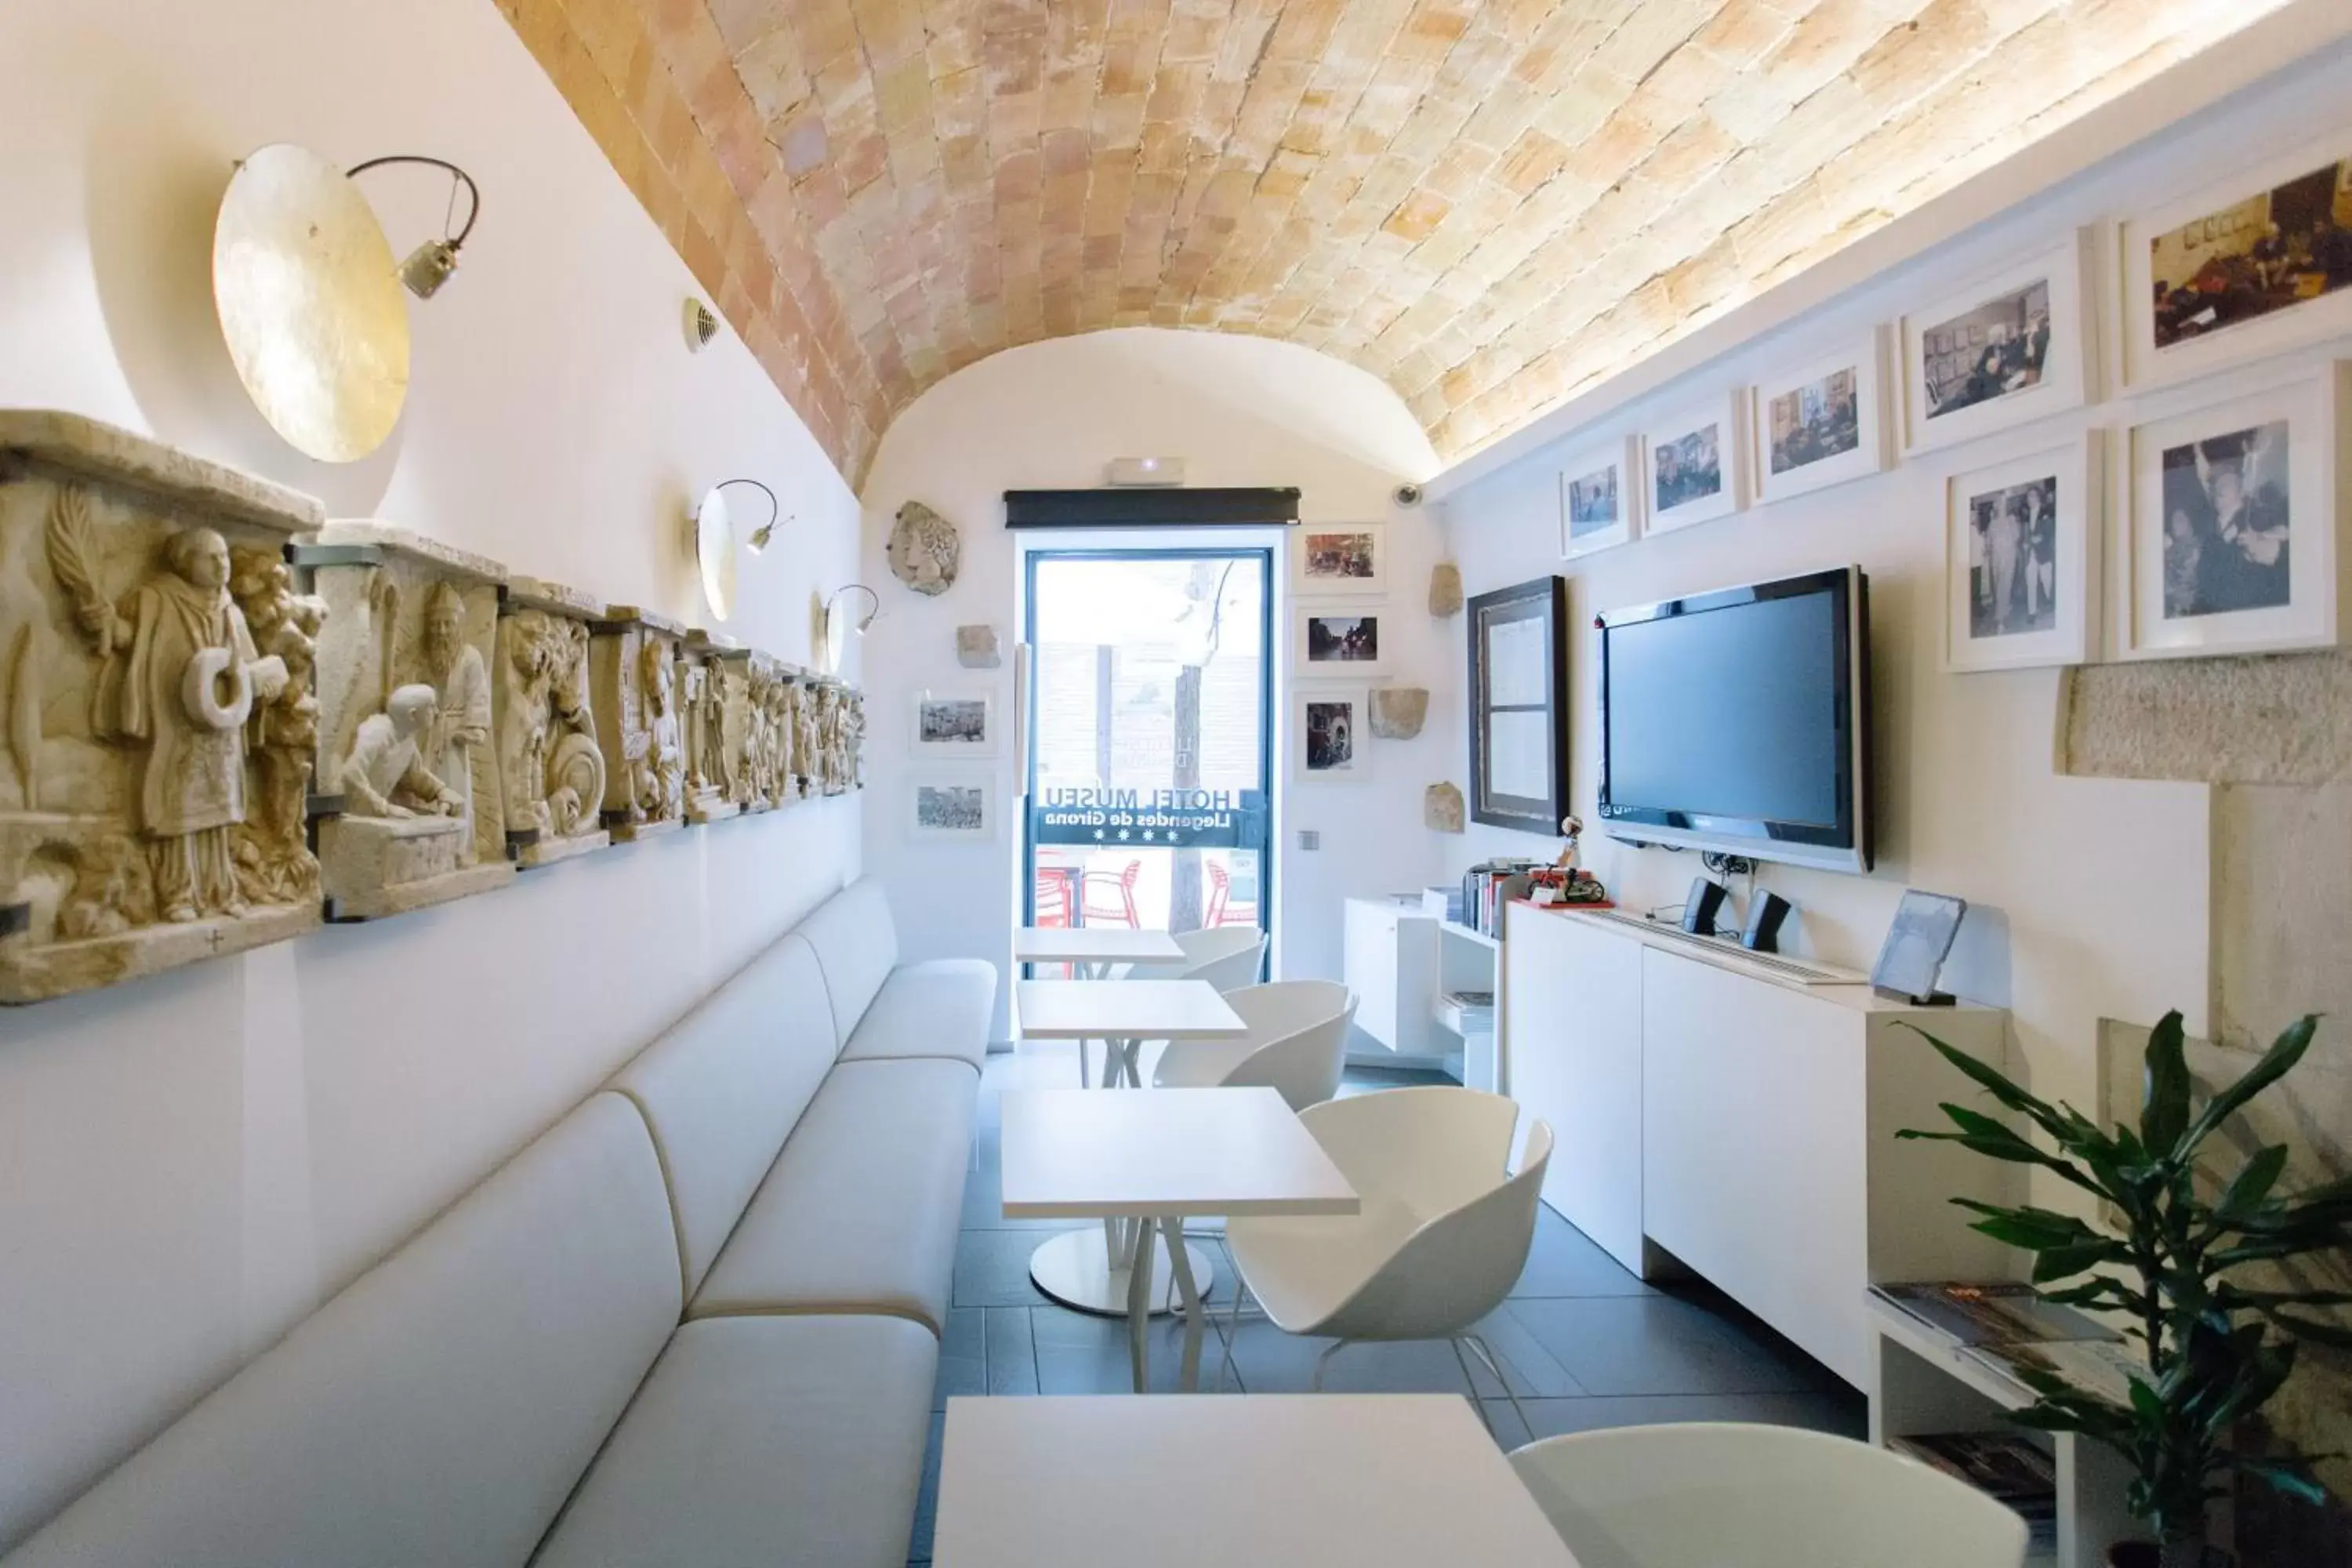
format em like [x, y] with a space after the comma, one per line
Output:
[1153, 1159]
[1094, 948]
[1129, 1009]
[1401, 1481]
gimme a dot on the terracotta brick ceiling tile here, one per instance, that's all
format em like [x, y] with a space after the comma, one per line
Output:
[1492, 205]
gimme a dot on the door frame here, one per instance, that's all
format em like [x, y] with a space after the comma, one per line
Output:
[1266, 761]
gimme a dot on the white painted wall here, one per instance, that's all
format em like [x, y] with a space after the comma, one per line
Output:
[1240, 411]
[188, 1164]
[2089, 896]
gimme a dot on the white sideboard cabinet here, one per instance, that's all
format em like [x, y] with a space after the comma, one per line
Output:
[1745, 1123]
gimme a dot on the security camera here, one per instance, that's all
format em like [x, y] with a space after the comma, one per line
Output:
[1408, 495]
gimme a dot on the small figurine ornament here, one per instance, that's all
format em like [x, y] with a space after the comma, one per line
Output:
[1571, 828]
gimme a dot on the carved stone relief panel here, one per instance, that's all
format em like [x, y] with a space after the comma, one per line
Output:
[702, 695]
[831, 737]
[633, 682]
[808, 719]
[156, 675]
[739, 723]
[852, 724]
[550, 769]
[407, 758]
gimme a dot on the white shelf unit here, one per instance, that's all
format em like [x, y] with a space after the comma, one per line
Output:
[1744, 1124]
[1925, 1383]
[1402, 961]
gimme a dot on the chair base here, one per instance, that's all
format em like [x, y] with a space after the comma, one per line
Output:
[1074, 1268]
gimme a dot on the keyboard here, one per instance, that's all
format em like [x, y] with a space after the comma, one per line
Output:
[1729, 948]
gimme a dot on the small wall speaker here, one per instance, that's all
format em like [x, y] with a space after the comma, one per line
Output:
[1765, 913]
[1706, 902]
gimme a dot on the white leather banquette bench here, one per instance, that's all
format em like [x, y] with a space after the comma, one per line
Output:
[695, 1323]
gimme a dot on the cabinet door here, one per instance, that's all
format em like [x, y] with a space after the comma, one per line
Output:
[1752, 1154]
[1574, 995]
[1371, 969]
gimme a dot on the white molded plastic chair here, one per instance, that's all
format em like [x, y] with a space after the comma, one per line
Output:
[1442, 1236]
[1227, 957]
[1297, 1042]
[1760, 1496]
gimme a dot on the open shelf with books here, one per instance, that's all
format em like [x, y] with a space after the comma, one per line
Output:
[1943, 1395]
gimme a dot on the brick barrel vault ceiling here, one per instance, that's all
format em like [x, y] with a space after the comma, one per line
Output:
[1490, 207]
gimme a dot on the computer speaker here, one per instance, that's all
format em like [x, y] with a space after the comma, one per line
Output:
[1765, 913]
[1706, 902]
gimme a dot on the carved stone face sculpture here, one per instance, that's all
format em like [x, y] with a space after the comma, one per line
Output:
[924, 551]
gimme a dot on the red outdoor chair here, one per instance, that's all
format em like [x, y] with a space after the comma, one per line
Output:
[1105, 912]
[1223, 910]
[1053, 898]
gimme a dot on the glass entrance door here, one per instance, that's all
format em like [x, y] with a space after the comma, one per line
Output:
[1149, 692]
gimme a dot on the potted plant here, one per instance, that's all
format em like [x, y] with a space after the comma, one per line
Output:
[2217, 1349]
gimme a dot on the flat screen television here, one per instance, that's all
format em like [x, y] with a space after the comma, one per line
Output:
[1739, 721]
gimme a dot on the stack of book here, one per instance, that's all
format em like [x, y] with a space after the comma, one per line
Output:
[2005, 1466]
[2006, 1326]
[1487, 885]
[1467, 1013]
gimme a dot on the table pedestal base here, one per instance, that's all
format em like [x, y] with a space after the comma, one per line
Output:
[1075, 1270]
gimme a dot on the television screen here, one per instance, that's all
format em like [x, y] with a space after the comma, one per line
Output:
[1735, 720]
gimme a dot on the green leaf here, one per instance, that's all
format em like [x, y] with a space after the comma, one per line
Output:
[2245, 1193]
[2029, 1227]
[2275, 1064]
[2163, 1108]
[2055, 1263]
[1990, 1081]
[2292, 1477]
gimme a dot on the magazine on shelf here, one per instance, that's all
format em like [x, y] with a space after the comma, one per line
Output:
[2005, 1466]
[1991, 1314]
[2106, 1368]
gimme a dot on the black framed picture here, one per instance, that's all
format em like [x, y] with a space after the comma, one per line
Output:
[1519, 724]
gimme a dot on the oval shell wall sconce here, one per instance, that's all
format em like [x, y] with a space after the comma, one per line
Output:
[714, 543]
[311, 303]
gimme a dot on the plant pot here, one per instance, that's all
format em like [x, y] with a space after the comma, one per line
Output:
[2148, 1554]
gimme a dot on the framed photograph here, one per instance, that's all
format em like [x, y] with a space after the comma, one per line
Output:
[1691, 465]
[1337, 640]
[2254, 265]
[1911, 959]
[1518, 710]
[2007, 348]
[1600, 497]
[1331, 734]
[1341, 558]
[2021, 560]
[951, 808]
[2235, 523]
[1822, 423]
[955, 724]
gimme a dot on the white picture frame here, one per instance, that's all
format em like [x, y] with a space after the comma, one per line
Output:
[2289, 441]
[2023, 559]
[1819, 424]
[1311, 758]
[1683, 442]
[1601, 494]
[1353, 643]
[954, 723]
[2176, 241]
[950, 807]
[1950, 395]
[1339, 560]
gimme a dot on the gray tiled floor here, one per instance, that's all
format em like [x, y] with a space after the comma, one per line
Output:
[1583, 1343]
